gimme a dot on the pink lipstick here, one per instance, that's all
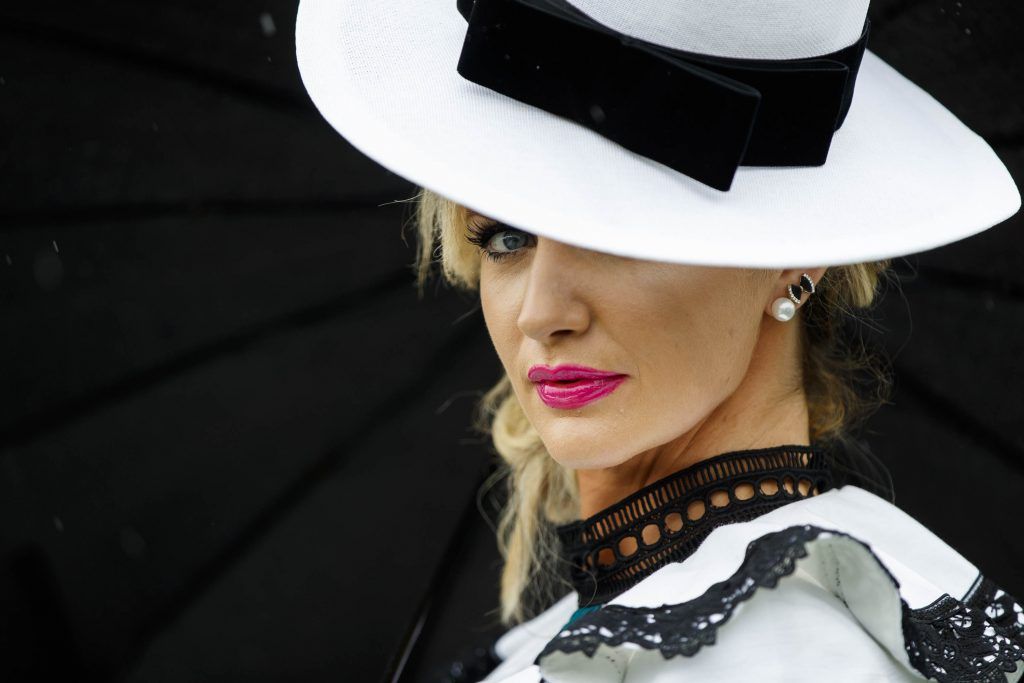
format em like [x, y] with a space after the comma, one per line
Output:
[573, 386]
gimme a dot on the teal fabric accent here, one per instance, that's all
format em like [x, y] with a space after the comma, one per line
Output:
[580, 612]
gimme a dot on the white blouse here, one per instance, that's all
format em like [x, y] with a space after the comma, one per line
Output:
[841, 586]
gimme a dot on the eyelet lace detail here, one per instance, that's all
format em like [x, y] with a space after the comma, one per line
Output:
[974, 639]
[666, 521]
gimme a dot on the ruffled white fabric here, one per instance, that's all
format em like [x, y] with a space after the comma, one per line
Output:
[843, 586]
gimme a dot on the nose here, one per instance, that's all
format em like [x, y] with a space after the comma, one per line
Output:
[553, 304]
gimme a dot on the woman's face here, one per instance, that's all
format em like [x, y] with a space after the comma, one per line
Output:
[671, 342]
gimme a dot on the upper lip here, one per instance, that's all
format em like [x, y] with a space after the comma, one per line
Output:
[567, 373]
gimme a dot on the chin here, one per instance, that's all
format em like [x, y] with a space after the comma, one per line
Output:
[584, 442]
[583, 456]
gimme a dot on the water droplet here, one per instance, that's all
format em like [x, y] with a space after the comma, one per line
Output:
[267, 24]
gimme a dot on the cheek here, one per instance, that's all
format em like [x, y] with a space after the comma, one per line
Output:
[500, 319]
[696, 346]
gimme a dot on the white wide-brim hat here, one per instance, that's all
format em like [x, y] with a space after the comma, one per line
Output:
[902, 174]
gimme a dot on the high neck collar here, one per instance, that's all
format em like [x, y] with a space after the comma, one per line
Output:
[667, 520]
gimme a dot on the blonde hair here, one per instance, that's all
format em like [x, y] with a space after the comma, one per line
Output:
[541, 493]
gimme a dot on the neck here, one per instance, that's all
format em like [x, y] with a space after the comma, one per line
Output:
[668, 520]
[768, 408]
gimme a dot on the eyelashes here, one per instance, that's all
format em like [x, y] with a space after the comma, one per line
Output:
[481, 235]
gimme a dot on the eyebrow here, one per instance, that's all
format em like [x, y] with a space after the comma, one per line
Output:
[472, 214]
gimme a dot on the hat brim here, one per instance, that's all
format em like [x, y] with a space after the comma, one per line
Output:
[903, 173]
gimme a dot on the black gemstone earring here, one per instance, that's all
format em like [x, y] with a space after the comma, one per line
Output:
[783, 309]
[806, 284]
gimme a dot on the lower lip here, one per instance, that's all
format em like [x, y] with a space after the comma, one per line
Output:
[577, 394]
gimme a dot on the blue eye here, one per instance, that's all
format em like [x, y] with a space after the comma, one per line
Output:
[508, 241]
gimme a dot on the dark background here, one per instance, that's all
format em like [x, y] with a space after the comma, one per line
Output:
[233, 443]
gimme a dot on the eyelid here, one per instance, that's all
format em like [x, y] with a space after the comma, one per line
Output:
[481, 235]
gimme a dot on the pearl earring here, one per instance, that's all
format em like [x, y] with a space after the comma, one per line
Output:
[784, 308]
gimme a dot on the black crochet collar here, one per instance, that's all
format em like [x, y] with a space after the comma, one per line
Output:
[667, 520]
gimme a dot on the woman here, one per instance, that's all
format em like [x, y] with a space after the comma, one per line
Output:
[632, 189]
[696, 409]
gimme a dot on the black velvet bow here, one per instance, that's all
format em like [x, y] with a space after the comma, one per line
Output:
[699, 114]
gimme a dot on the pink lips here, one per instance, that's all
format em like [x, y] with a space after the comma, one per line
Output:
[573, 386]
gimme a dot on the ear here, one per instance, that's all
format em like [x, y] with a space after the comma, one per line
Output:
[791, 276]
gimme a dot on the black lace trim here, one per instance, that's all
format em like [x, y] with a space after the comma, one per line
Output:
[666, 521]
[978, 638]
[684, 628]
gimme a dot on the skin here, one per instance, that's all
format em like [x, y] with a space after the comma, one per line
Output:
[710, 370]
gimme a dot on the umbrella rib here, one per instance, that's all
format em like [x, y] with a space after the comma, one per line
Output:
[105, 213]
[398, 403]
[1001, 447]
[142, 380]
[972, 281]
[422, 616]
[269, 96]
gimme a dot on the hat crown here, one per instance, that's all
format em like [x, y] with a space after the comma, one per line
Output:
[749, 29]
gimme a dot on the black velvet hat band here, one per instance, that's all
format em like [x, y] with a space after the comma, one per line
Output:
[699, 114]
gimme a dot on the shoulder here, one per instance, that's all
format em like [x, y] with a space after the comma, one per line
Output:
[844, 585]
[518, 647]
